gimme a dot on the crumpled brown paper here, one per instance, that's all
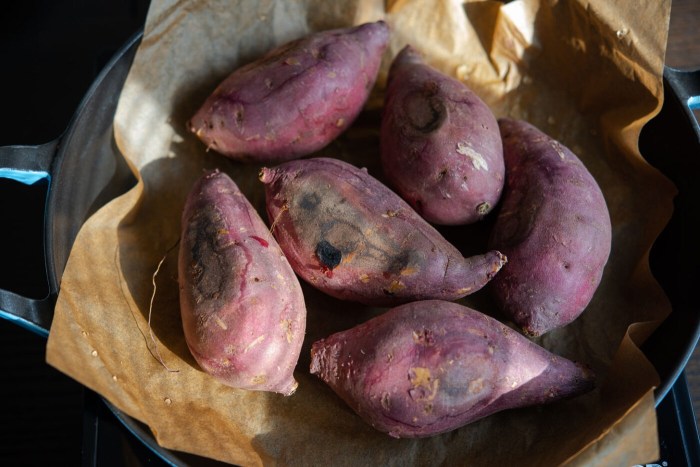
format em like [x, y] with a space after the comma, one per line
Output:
[586, 72]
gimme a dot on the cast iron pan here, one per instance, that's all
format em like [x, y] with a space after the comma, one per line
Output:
[85, 169]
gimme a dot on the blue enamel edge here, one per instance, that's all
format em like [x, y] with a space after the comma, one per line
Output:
[28, 177]
[694, 102]
[24, 323]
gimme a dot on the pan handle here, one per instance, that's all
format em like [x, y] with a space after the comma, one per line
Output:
[29, 165]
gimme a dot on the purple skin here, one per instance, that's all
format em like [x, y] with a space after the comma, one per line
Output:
[242, 307]
[351, 237]
[429, 367]
[296, 99]
[440, 145]
[555, 228]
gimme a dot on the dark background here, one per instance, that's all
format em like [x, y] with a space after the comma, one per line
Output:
[50, 52]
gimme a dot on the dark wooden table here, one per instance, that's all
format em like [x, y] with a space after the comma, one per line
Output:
[683, 51]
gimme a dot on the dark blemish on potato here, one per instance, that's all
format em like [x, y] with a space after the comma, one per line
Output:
[399, 262]
[310, 201]
[328, 255]
[441, 174]
[424, 111]
[238, 114]
[210, 269]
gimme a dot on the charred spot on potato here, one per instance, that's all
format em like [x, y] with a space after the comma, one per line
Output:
[310, 201]
[328, 255]
[425, 112]
[399, 262]
[209, 269]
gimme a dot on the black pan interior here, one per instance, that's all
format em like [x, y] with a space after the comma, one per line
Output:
[670, 143]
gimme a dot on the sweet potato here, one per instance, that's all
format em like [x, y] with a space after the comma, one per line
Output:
[242, 308]
[353, 238]
[432, 366]
[296, 99]
[440, 145]
[555, 228]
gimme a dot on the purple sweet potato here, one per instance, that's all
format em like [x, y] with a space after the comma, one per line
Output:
[440, 145]
[296, 99]
[555, 228]
[242, 307]
[353, 238]
[429, 367]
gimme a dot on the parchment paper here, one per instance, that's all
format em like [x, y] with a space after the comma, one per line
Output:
[586, 72]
